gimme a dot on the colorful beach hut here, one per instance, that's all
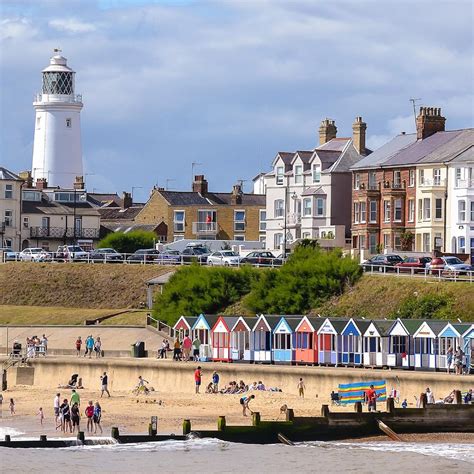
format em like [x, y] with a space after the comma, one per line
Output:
[426, 344]
[350, 352]
[261, 338]
[183, 326]
[220, 338]
[240, 340]
[375, 343]
[449, 336]
[202, 330]
[467, 340]
[329, 340]
[401, 350]
[306, 341]
[283, 339]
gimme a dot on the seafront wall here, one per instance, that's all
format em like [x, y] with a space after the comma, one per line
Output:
[169, 376]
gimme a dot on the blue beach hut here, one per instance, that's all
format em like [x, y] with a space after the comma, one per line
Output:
[426, 344]
[449, 336]
[284, 340]
[350, 352]
[202, 330]
[468, 348]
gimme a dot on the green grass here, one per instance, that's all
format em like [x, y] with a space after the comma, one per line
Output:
[136, 318]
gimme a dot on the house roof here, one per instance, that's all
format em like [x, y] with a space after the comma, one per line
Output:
[45, 206]
[102, 199]
[311, 191]
[190, 198]
[6, 175]
[117, 213]
[128, 226]
[383, 326]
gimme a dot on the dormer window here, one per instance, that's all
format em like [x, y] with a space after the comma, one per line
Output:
[298, 174]
[316, 173]
[279, 174]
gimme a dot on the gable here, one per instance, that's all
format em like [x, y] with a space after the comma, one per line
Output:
[351, 329]
[220, 326]
[201, 323]
[469, 334]
[282, 327]
[261, 325]
[304, 326]
[424, 331]
[240, 326]
[398, 330]
[449, 331]
[372, 331]
[181, 324]
[327, 328]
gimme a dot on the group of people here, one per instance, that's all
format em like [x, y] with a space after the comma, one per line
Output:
[185, 350]
[455, 358]
[35, 346]
[67, 414]
[92, 346]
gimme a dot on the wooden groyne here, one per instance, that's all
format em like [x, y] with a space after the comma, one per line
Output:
[327, 427]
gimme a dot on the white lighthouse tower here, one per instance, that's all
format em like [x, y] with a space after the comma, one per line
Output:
[57, 151]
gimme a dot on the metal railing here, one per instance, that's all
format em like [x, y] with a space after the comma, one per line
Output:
[204, 227]
[63, 232]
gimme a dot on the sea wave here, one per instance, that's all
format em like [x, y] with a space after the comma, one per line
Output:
[6, 430]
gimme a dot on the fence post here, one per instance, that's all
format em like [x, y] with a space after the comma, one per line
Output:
[390, 405]
[255, 418]
[221, 423]
[358, 407]
[186, 427]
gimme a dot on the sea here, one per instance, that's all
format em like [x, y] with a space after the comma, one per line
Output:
[214, 456]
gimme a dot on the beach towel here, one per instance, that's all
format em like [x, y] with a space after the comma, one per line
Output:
[354, 392]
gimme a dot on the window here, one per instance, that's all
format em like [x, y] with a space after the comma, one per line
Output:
[386, 241]
[420, 209]
[68, 123]
[362, 241]
[426, 243]
[263, 220]
[179, 221]
[8, 243]
[277, 241]
[411, 210]
[31, 196]
[8, 218]
[472, 211]
[458, 176]
[69, 197]
[438, 208]
[38, 122]
[306, 235]
[298, 174]
[356, 212]
[316, 173]
[436, 176]
[373, 211]
[306, 206]
[397, 241]
[462, 244]
[373, 243]
[320, 206]
[8, 191]
[411, 179]
[386, 211]
[239, 237]
[239, 221]
[279, 173]
[397, 204]
[426, 209]
[363, 212]
[372, 180]
[356, 181]
[461, 211]
[279, 208]
[26, 222]
[421, 177]
[262, 239]
[397, 179]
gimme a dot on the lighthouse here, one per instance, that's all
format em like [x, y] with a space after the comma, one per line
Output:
[57, 151]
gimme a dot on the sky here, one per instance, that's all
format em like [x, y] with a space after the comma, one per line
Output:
[228, 84]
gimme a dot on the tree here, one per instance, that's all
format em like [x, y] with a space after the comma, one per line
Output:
[406, 239]
[128, 242]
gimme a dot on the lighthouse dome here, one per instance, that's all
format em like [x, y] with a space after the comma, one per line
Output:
[58, 63]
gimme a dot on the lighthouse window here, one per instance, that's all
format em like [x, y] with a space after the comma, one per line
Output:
[38, 122]
[68, 123]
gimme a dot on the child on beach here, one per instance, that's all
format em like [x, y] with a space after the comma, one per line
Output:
[301, 388]
[97, 417]
[215, 381]
[90, 416]
[404, 403]
[41, 416]
[197, 378]
[244, 401]
[78, 346]
[75, 418]
[12, 407]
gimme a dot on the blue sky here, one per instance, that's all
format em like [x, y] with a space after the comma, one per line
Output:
[228, 84]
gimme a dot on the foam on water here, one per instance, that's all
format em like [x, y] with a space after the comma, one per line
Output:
[6, 430]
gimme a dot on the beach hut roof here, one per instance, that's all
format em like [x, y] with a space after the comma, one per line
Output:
[410, 326]
[189, 320]
[247, 322]
[314, 322]
[383, 326]
[461, 328]
[339, 324]
[224, 323]
[290, 322]
[449, 331]
[208, 319]
[430, 328]
[469, 332]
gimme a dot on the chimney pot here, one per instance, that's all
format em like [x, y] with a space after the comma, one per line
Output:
[429, 121]
[41, 183]
[358, 137]
[327, 131]
[200, 184]
[126, 200]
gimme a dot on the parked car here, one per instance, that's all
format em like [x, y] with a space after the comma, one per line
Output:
[223, 257]
[195, 254]
[71, 253]
[169, 257]
[8, 255]
[378, 262]
[413, 264]
[105, 256]
[447, 265]
[34, 254]
[261, 258]
[143, 256]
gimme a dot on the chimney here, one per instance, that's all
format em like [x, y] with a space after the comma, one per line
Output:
[79, 182]
[41, 183]
[327, 131]
[126, 200]
[200, 184]
[358, 135]
[428, 122]
[26, 177]
[236, 197]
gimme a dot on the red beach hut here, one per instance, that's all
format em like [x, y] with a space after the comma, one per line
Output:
[220, 335]
[306, 342]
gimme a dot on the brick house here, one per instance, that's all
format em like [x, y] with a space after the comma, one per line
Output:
[201, 214]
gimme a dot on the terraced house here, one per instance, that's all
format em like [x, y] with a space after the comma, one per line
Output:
[308, 193]
[202, 214]
[10, 209]
[416, 191]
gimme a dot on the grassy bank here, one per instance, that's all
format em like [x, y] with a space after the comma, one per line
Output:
[379, 296]
[75, 285]
[53, 315]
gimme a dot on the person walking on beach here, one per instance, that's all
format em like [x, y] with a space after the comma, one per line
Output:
[458, 356]
[44, 343]
[104, 381]
[197, 378]
[187, 344]
[78, 346]
[75, 418]
[98, 347]
[244, 401]
[12, 407]
[449, 359]
[66, 416]
[196, 346]
[371, 398]
[97, 417]
[41, 416]
[89, 412]
[215, 382]
[56, 405]
[75, 398]
[301, 387]
[89, 346]
[177, 350]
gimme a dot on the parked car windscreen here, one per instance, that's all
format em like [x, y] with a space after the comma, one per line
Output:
[228, 253]
[453, 261]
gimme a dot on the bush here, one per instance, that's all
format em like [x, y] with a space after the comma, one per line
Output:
[129, 242]
[430, 306]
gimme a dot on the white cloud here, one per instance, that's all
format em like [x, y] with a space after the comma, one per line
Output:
[71, 25]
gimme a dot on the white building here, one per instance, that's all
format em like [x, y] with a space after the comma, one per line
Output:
[308, 193]
[57, 152]
[10, 209]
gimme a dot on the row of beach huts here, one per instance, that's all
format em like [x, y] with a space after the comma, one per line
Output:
[308, 340]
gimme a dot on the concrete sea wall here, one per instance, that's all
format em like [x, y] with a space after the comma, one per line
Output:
[168, 376]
